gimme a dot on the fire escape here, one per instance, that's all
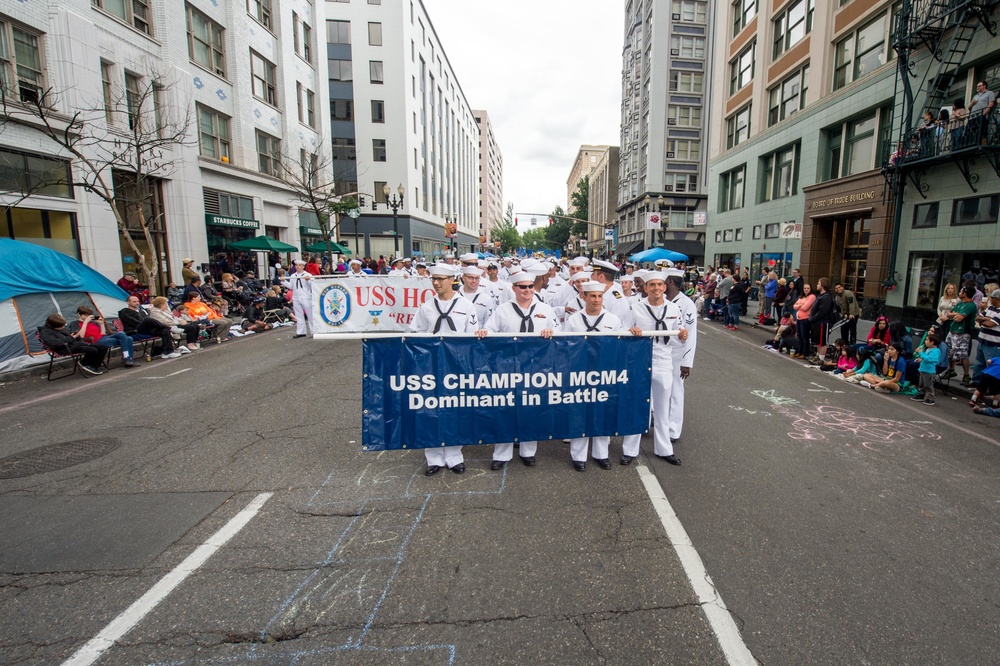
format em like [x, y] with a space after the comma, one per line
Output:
[931, 40]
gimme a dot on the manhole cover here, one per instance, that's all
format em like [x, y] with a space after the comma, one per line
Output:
[55, 457]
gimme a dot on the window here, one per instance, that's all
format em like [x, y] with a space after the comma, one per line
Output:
[228, 205]
[307, 33]
[738, 127]
[378, 111]
[772, 230]
[264, 86]
[684, 116]
[788, 97]
[342, 109]
[268, 154]
[378, 150]
[743, 12]
[307, 105]
[731, 189]
[727, 235]
[780, 170]
[680, 182]
[860, 145]
[338, 32]
[374, 2]
[684, 149]
[35, 174]
[691, 11]
[741, 69]
[374, 34]
[792, 25]
[861, 52]
[107, 73]
[755, 233]
[20, 64]
[340, 70]
[213, 134]
[205, 45]
[975, 210]
[718, 236]
[375, 70]
[133, 99]
[296, 39]
[739, 234]
[260, 10]
[344, 150]
[133, 12]
[687, 82]
[687, 47]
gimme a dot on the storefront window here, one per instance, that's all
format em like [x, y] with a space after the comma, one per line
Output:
[925, 273]
[55, 230]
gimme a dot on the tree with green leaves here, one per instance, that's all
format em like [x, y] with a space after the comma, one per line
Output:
[505, 231]
[561, 228]
[580, 200]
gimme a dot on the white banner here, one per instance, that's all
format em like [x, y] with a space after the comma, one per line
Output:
[653, 221]
[609, 234]
[374, 303]
[791, 230]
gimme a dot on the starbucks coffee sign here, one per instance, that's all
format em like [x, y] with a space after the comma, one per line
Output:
[223, 221]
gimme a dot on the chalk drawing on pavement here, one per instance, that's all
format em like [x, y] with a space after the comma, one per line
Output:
[831, 422]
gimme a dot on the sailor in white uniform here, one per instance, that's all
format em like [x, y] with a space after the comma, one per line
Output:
[683, 354]
[594, 318]
[445, 314]
[300, 282]
[525, 315]
[577, 303]
[397, 269]
[477, 294]
[657, 313]
[354, 269]
[614, 300]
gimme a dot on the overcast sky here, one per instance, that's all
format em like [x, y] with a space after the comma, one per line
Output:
[548, 73]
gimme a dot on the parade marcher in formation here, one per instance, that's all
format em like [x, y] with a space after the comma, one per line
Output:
[657, 313]
[445, 314]
[524, 314]
[397, 269]
[421, 269]
[354, 269]
[476, 294]
[300, 282]
[504, 271]
[682, 354]
[577, 303]
[499, 289]
[593, 318]
[614, 300]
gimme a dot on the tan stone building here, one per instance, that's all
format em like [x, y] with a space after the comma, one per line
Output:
[490, 178]
[603, 203]
[584, 164]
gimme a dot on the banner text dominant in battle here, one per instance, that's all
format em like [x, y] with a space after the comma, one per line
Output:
[426, 392]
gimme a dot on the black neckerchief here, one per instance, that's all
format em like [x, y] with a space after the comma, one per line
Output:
[592, 327]
[527, 326]
[445, 317]
[661, 324]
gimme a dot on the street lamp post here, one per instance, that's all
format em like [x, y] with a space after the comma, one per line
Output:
[659, 206]
[395, 204]
[354, 214]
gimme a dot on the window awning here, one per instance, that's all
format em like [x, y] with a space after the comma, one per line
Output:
[629, 248]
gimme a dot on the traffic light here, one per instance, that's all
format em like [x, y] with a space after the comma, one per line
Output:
[361, 202]
[551, 221]
[515, 221]
[374, 205]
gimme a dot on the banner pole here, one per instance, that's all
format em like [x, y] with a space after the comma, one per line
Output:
[555, 334]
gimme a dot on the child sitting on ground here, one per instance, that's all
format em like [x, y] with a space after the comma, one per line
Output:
[864, 364]
[833, 355]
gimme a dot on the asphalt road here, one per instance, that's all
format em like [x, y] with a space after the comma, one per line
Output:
[838, 525]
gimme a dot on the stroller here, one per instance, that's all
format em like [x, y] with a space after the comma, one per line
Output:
[714, 309]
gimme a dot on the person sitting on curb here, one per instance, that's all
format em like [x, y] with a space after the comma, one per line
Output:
[989, 384]
[96, 333]
[890, 379]
[136, 322]
[58, 338]
[202, 313]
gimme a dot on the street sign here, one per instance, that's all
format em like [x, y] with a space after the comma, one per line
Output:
[791, 230]
[653, 221]
[609, 234]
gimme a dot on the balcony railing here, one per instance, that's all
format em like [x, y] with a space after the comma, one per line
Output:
[939, 143]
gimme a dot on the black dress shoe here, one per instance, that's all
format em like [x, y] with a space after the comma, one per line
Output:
[432, 470]
[579, 466]
[673, 440]
[603, 463]
[458, 469]
[299, 335]
[627, 460]
[672, 459]
[529, 461]
[497, 464]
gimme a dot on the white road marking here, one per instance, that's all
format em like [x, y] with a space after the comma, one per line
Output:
[170, 375]
[718, 616]
[132, 615]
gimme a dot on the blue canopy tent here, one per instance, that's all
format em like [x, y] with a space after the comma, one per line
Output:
[35, 282]
[657, 253]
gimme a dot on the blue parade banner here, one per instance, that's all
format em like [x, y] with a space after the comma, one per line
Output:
[421, 392]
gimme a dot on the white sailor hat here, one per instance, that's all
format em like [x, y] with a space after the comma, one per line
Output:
[397, 260]
[582, 275]
[655, 275]
[472, 270]
[624, 277]
[641, 274]
[469, 256]
[300, 262]
[441, 270]
[528, 262]
[663, 263]
[524, 277]
[421, 264]
[605, 266]
[354, 262]
[481, 263]
[408, 259]
[593, 286]
[538, 269]
[674, 272]
[579, 261]
[449, 255]
[508, 259]
[515, 269]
